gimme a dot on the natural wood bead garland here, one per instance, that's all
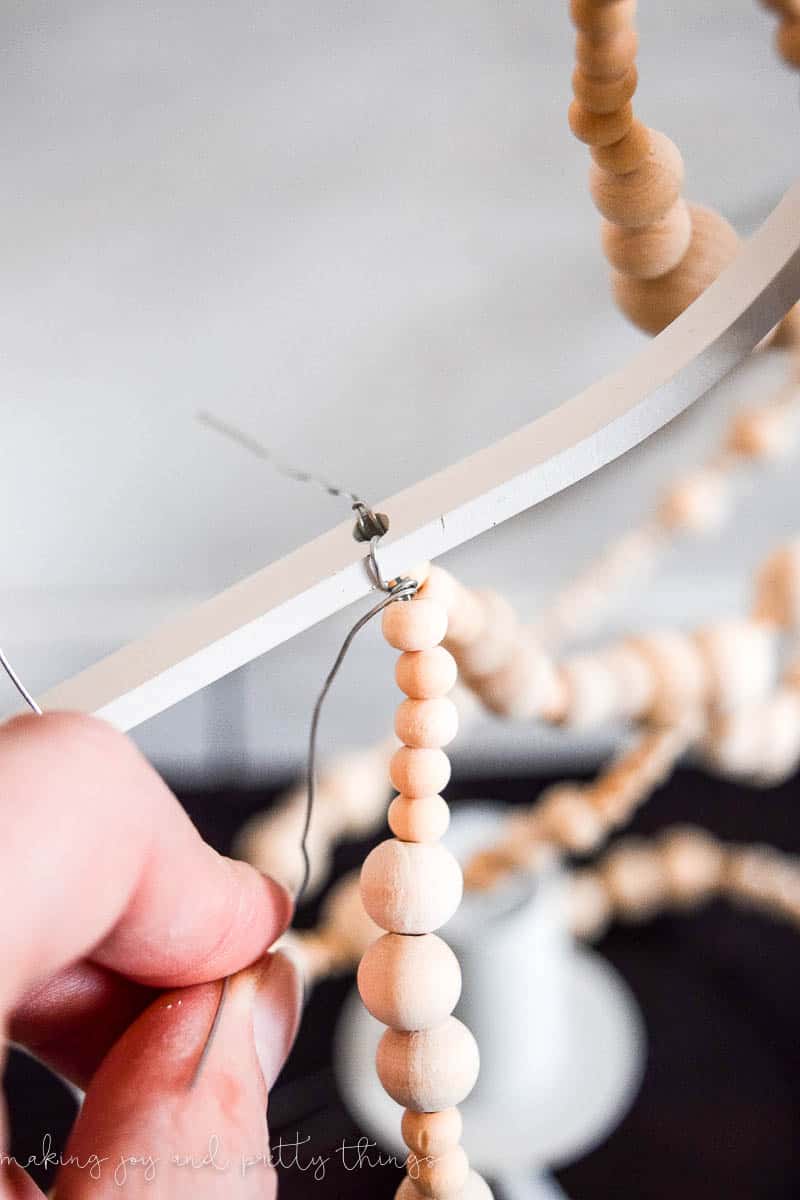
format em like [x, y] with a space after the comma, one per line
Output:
[664, 253]
[411, 885]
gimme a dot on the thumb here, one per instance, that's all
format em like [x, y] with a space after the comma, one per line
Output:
[152, 1126]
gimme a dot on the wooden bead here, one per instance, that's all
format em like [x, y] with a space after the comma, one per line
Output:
[652, 304]
[599, 129]
[679, 676]
[589, 905]
[426, 724]
[465, 617]
[778, 588]
[442, 1177]
[343, 915]
[740, 660]
[498, 639]
[409, 982]
[697, 503]
[424, 819]
[645, 194]
[635, 879]
[418, 624]
[429, 1069]
[476, 1189]
[419, 772]
[652, 250]
[410, 887]
[527, 685]
[431, 1133]
[609, 57]
[590, 689]
[693, 864]
[426, 674]
[627, 154]
[761, 433]
[604, 95]
[787, 40]
[602, 20]
[569, 820]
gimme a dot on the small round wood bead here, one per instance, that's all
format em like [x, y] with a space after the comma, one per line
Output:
[602, 20]
[627, 154]
[599, 129]
[652, 250]
[778, 588]
[424, 819]
[419, 772]
[409, 982]
[693, 863]
[635, 878]
[604, 95]
[645, 194]
[498, 640]
[431, 1133]
[569, 819]
[426, 724]
[608, 57]
[426, 674]
[652, 304]
[788, 41]
[525, 686]
[418, 624]
[761, 433]
[442, 1177]
[429, 1069]
[740, 659]
[590, 908]
[679, 676]
[697, 503]
[410, 887]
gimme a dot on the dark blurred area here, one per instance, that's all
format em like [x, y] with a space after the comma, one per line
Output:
[718, 1113]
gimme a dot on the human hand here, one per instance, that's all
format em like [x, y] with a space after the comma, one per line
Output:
[111, 896]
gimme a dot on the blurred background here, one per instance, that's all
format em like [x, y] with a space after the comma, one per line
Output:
[363, 232]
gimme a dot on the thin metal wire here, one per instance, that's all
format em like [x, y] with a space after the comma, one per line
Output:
[370, 526]
[280, 464]
[18, 684]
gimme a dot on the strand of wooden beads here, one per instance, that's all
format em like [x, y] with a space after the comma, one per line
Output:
[680, 869]
[664, 253]
[409, 979]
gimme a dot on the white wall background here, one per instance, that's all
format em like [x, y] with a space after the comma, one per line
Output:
[363, 230]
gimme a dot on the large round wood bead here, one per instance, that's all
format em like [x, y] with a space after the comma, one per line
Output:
[608, 57]
[410, 887]
[602, 20]
[635, 878]
[425, 674]
[740, 659]
[498, 640]
[419, 772]
[627, 154]
[645, 194]
[427, 724]
[418, 624]
[693, 863]
[429, 1069]
[652, 250]
[409, 982]
[788, 41]
[476, 1189]
[442, 1177]
[424, 819]
[652, 304]
[431, 1133]
[599, 129]
[603, 95]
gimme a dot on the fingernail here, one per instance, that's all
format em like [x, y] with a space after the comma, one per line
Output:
[277, 1007]
[282, 901]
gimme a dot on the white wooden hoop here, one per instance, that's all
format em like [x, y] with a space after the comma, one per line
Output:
[458, 503]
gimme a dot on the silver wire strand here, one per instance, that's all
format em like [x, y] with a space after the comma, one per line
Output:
[275, 460]
[18, 684]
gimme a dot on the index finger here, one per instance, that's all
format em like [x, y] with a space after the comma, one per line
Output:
[98, 859]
